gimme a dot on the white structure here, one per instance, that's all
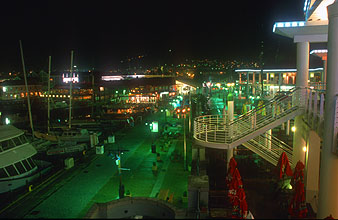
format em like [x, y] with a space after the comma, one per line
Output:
[320, 25]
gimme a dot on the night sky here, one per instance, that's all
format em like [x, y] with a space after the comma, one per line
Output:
[102, 33]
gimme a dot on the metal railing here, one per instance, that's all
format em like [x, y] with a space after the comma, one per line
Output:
[269, 147]
[219, 129]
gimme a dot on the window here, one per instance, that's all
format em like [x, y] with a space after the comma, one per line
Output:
[3, 173]
[11, 170]
[27, 165]
[19, 167]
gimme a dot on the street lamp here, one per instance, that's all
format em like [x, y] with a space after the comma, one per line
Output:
[184, 112]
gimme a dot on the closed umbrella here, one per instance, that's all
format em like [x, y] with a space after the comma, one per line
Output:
[231, 170]
[243, 206]
[238, 201]
[283, 166]
[297, 207]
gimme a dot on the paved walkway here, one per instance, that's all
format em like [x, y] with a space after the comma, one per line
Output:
[99, 182]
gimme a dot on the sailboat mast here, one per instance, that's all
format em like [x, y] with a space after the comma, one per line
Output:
[48, 105]
[70, 89]
[27, 91]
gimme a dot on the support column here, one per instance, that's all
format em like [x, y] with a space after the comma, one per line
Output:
[328, 191]
[312, 170]
[324, 73]
[279, 80]
[230, 152]
[247, 85]
[268, 135]
[267, 77]
[301, 82]
[253, 83]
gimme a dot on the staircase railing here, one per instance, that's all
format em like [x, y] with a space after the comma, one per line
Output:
[269, 147]
[219, 129]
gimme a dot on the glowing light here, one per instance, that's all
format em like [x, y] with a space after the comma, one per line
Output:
[4, 89]
[7, 121]
[67, 79]
[318, 51]
[293, 128]
[304, 148]
[288, 24]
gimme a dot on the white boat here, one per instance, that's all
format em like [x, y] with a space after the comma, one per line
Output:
[17, 168]
[66, 135]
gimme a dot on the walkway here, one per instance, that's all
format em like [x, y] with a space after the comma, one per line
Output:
[99, 182]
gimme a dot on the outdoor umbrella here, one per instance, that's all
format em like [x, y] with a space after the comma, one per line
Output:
[233, 179]
[231, 169]
[283, 166]
[235, 184]
[297, 207]
[239, 204]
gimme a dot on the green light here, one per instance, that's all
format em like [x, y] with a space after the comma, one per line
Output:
[117, 91]
[154, 126]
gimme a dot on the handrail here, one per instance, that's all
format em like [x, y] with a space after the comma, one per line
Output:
[219, 129]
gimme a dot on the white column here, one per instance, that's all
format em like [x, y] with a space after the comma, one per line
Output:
[301, 82]
[247, 85]
[302, 64]
[253, 83]
[324, 72]
[312, 169]
[230, 152]
[328, 191]
[267, 77]
[268, 135]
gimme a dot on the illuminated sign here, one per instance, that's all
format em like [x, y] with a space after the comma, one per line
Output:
[66, 78]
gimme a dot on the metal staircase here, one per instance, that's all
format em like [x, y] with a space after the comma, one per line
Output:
[217, 131]
[269, 148]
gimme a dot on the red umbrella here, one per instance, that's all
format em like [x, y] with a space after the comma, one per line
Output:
[239, 205]
[284, 166]
[234, 185]
[231, 170]
[298, 174]
[297, 207]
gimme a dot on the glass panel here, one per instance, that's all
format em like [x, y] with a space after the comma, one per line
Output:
[11, 170]
[3, 173]
[20, 167]
[26, 164]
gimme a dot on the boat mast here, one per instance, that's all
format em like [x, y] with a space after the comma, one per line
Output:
[27, 92]
[70, 89]
[48, 103]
